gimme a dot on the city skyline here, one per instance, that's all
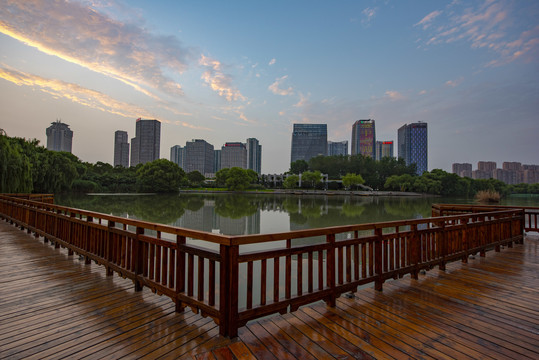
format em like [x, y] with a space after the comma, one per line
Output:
[227, 72]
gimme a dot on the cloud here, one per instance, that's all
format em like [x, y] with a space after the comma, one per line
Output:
[272, 62]
[275, 87]
[454, 83]
[217, 80]
[83, 96]
[81, 35]
[422, 92]
[303, 100]
[368, 15]
[394, 95]
[492, 25]
[427, 20]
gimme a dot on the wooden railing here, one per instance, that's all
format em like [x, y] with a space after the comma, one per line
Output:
[216, 276]
[45, 198]
[531, 214]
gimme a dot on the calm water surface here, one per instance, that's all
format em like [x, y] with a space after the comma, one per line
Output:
[238, 214]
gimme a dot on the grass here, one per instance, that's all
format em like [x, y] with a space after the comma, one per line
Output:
[487, 196]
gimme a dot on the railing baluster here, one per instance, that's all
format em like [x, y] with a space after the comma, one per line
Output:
[321, 270]
[276, 276]
[310, 272]
[299, 276]
[200, 283]
[263, 282]
[249, 285]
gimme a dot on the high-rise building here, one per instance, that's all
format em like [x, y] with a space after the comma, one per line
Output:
[308, 141]
[462, 170]
[146, 144]
[512, 166]
[234, 154]
[177, 155]
[254, 155]
[413, 145]
[383, 149]
[121, 149]
[336, 148]
[364, 138]
[59, 137]
[199, 156]
[530, 174]
[487, 166]
[216, 160]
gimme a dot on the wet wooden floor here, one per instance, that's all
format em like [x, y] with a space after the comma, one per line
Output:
[53, 306]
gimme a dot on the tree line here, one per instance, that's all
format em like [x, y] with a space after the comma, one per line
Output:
[392, 174]
[27, 167]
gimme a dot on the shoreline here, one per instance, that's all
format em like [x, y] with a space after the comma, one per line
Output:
[312, 192]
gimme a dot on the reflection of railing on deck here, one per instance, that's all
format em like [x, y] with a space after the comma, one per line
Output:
[203, 270]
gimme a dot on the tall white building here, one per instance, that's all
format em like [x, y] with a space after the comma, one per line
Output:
[121, 149]
[177, 155]
[145, 146]
[254, 155]
[59, 137]
[234, 154]
[199, 156]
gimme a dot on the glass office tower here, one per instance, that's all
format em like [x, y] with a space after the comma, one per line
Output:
[413, 145]
[309, 140]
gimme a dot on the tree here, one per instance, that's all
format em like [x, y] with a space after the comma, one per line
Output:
[15, 167]
[299, 166]
[161, 176]
[311, 178]
[291, 182]
[221, 176]
[195, 178]
[399, 183]
[238, 179]
[253, 176]
[350, 180]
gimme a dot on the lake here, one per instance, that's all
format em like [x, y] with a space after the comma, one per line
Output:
[238, 214]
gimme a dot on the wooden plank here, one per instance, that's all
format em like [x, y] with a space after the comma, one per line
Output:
[259, 342]
[327, 344]
[240, 351]
[285, 340]
[412, 336]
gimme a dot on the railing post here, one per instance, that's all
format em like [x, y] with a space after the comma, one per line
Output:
[378, 259]
[331, 270]
[415, 251]
[109, 247]
[522, 224]
[138, 258]
[180, 271]
[70, 240]
[481, 234]
[87, 240]
[465, 242]
[443, 246]
[228, 292]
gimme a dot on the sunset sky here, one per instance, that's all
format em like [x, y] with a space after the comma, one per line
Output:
[228, 70]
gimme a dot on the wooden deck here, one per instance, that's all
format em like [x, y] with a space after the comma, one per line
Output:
[54, 306]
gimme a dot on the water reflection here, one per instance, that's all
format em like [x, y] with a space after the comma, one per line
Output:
[237, 214]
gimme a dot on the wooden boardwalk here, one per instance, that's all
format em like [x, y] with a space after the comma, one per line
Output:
[54, 306]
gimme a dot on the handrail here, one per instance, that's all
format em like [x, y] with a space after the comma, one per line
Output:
[209, 273]
[531, 214]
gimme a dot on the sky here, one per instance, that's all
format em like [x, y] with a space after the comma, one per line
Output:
[225, 71]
